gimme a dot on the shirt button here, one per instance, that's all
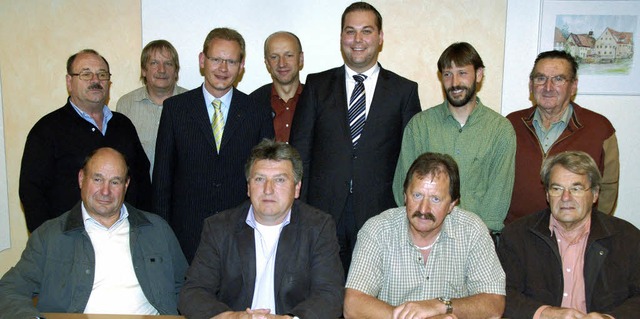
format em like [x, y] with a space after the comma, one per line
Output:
[286, 125]
[568, 269]
[565, 294]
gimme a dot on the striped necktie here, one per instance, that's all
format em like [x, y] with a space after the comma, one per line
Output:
[357, 106]
[218, 122]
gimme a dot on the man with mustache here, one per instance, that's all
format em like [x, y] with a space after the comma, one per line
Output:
[159, 72]
[556, 124]
[479, 139]
[58, 143]
[429, 259]
[284, 59]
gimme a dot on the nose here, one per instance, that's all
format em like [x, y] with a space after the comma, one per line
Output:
[268, 187]
[161, 67]
[424, 206]
[105, 189]
[566, 195]
[223, 65]
[548, 86]
[357, 37]
[281, 62]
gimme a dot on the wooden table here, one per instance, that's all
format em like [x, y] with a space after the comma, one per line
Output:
[93, 316]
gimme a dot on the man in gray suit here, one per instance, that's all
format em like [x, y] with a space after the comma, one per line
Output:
[350, 148]
[271, 257]
[205, 135]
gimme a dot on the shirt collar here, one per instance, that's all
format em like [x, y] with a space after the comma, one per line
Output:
[564, 119]
[349, 73]
[251, 219]
[88, 219]
[225, 99]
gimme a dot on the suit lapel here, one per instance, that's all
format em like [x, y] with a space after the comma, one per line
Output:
[286, 249]
[237, 112]
[247, 252]
[381, 97]
[200, 117]
[340, 103]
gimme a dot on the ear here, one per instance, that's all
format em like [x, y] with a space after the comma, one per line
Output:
[301, 61]
[298, 186]
[381, 38]
[596, 195]
[574, 87]
[479, 75]
[452, 205]
[201, 58]
[68, 80]
[80, 178]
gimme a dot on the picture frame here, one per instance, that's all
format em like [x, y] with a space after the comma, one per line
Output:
[603, 36]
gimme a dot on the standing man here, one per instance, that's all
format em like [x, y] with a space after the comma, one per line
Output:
[570, 260]
[205, 136]
[284, 59]
[59, 142]
[103, 256]
[272, 256]
[480, 140]
[429, 259]
[556, 124]
[159, 65]
[348, 128]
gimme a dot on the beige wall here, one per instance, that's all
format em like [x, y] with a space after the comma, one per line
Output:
[36, 38]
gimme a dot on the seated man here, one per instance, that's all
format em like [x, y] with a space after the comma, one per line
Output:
[570, 260]
[271, 257]
[102, 256]
[428, 259]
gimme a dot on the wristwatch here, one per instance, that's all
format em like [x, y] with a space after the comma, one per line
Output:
[447, 303]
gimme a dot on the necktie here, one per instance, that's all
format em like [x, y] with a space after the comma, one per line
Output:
[218, 122]
[357, 109]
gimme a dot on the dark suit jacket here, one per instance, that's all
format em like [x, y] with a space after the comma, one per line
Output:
[309, 280]
[321, 134]
[55, 151]
[262, 96]
[191, 181]
[532, 263]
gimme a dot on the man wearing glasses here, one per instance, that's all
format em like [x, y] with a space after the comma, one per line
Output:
[59, 142]
[204, 138]
[556, 124]
[570, 260]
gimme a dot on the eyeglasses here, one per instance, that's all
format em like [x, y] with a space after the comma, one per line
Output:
[87, 76]
[577, 191]
[557, 80]
[218, 61]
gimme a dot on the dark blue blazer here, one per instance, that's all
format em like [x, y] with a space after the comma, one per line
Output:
[308, 279]
[320, 131]
[191, 181]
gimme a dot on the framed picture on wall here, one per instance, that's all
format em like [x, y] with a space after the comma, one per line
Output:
[603, 36]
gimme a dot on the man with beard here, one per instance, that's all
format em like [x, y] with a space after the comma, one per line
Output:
[284, 59]
[59, 142]
[480, 140]
[429, 259]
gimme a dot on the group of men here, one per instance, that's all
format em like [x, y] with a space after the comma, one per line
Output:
[272, 229]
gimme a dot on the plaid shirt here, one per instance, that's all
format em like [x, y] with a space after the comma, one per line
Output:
[387, 265]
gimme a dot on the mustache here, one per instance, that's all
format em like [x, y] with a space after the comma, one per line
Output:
[96, 86]
[428, 216]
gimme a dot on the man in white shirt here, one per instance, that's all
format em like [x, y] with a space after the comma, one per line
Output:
[102, 256]
[271, 257]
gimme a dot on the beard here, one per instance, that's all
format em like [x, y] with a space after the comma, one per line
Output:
[470, 91]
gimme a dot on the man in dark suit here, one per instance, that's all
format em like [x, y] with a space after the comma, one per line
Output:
[349, 168]
[271, 257]
[284, 59]
[205, 135]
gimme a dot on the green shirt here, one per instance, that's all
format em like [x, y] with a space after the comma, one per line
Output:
[484, 149]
